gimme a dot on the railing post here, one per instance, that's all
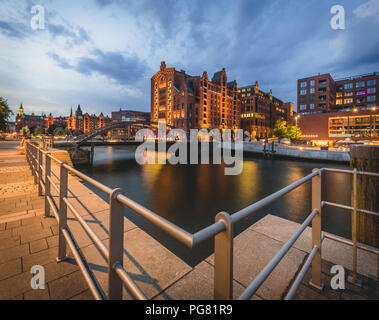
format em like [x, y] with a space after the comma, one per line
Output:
[47, 183]
[116, 244]
[316, 280]
[35, 164]
[63, 180]
[354, 229]
[39, 170]
[223, 260]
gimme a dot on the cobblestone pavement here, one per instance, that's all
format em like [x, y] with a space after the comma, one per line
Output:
[27, 238]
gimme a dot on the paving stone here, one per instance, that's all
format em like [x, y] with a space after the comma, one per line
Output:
[38, 245]
[196, 285]
[39, 258]
[26, 237]
[249, 261]
[306, 293]
[9, 243]
[37, 294]
[68, 286]
[13, 224]
[10, 268]
[85, 295]
[13, 253]
[52, 241]
[14, 286]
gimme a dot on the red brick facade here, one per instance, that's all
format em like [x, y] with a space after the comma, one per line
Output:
[194, 102]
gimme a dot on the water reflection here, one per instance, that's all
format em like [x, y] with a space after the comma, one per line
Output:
[191, 195]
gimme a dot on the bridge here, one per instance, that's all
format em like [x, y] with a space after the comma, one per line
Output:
[85, 138]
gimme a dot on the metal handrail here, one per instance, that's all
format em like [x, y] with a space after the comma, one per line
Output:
[244, 213]
[301, 274]
[262, 276]
[223, 225]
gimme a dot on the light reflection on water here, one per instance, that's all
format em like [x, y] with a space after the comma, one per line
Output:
[191, 195]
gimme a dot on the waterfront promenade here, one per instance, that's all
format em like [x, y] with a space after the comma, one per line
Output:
[27, 238]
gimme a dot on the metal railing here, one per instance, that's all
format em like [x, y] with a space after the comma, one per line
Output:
[221, 230]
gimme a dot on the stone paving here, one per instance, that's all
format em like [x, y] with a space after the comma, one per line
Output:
[30, 239]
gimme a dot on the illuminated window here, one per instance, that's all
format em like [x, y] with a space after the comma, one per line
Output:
[348, 94]
[371, 83]
[339, 101]
[371, 98]
[348, 101]
[348, 86]
[360, 93]
[371, 90]
[339, 94]
[360, 84]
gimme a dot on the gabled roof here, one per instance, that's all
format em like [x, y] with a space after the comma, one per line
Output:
[217, 77]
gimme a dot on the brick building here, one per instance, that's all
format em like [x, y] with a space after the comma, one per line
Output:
[194, 102]
[31, 121]
[86, 122]
[261, 110]
[319, 94]
[338, 109]
[335, 126]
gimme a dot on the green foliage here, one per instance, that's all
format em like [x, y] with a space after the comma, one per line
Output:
[59, 131]
[5, 113]
[37, 131]
[51, 129]
[294, 133]
[282, 130]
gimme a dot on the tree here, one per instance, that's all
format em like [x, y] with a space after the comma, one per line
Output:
[37, 130]
[5, 113]
[280, 129]
[51, 129]
[294, 133]
[59, 131]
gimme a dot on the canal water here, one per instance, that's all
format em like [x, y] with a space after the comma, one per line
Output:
[191, 195]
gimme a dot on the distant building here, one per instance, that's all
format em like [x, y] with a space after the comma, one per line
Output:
[194, 102]
[320, 94]
[338, 109]
[85, 122]
[31, 121]
[335, 126]
[261, 110]
[129, 115]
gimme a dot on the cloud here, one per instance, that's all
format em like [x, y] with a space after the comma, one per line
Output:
[12, 31]
[113, 65]
[370, 8]
[103, 3]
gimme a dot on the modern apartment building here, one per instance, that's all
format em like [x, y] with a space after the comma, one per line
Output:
[260, 111]
[320, 94]
[194, 102]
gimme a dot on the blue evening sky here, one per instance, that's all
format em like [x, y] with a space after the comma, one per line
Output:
[102, 53]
